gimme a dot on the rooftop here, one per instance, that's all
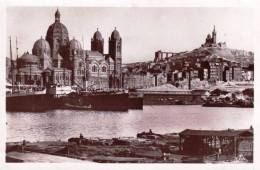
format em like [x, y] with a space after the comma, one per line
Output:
[223, 133]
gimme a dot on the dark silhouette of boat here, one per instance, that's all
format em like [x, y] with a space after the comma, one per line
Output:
[76, 107]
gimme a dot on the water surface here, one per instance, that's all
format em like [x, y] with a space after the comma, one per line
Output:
[63, 124]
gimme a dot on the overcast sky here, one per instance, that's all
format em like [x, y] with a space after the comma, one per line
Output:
[143, 30]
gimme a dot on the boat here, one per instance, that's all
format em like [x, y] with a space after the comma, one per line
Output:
[76, 107]
[105, 100]
[37, 100]
[28, 102]
[192, 160]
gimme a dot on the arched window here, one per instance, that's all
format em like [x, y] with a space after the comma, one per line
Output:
[94, 68]
[118, 47]
[104, 69]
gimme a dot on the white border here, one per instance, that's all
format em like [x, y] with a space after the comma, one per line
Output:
[254, 4]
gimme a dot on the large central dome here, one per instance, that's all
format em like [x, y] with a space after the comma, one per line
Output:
[57, 28]
[57, 33]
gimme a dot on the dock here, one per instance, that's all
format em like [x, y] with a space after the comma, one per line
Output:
[188, 146]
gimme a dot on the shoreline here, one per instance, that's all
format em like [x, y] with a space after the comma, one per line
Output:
[147, 147]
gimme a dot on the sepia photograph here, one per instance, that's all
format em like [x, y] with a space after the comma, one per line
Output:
[138, 85]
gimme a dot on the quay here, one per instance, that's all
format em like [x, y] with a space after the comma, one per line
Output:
[188, 146]
[58, 99]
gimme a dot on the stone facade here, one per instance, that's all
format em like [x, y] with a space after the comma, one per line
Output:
[59, 60]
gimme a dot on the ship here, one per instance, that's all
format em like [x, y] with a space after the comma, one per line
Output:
[37, 101]
[62, 97]
[100, 100]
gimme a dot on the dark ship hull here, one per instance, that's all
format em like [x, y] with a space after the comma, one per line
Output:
[101, 101]
[27, 102]
[32, 102]
[107, 101]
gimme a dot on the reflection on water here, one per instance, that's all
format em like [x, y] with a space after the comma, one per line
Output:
[63, 124]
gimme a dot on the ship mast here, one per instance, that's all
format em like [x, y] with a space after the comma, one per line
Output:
[16, 50]
[30, 75]
[17, 64]
[11, 51]
[84, 58]
[11, 56]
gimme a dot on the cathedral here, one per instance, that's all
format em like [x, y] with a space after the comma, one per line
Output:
[57, 59]
[211, 41]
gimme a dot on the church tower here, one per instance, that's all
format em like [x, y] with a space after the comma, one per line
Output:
[57, 36]
[214, 36]
[97, 42]
[115, 52]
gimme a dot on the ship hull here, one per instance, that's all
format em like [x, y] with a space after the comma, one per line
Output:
[107, 102]
[32, 102]
[27, 103]
[45, 102]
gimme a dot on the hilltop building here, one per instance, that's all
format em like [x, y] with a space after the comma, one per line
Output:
[211, 41]
[208, 65]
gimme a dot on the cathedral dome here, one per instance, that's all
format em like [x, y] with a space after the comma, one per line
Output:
[115, 35]
[57, 32]
[209, 36]
[97, 35]
[57, 28]
[41, 44]
[29, 58]
[75, 44]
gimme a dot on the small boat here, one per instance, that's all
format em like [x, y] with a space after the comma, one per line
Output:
[76, 107]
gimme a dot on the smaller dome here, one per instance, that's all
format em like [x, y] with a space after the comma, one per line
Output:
[41, 44]
[115, 34]
[29, 58]
[209, 36]
[75, 44]
[97, 35]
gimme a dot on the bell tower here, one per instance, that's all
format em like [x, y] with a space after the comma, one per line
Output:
[115, 52]
[97, 42]
[214, 36]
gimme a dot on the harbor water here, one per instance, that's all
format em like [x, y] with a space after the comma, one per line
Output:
[64, 124]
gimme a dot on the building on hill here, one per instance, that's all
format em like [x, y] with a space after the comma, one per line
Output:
[211, 62]
[211, 41]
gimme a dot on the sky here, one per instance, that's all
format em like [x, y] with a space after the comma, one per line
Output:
[143, 30]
